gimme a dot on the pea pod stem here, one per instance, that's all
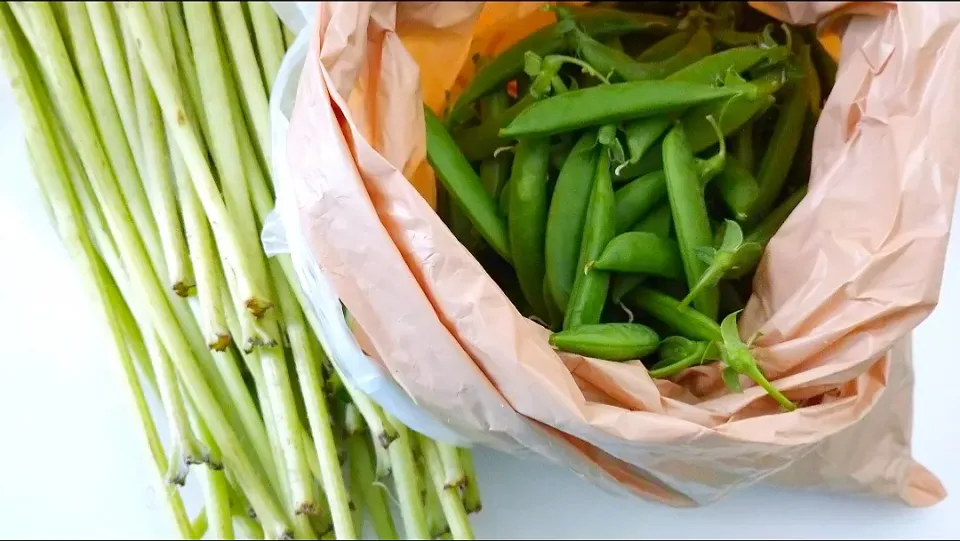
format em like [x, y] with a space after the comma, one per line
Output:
[738, 358]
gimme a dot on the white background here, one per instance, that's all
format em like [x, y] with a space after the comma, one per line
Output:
[73, 464]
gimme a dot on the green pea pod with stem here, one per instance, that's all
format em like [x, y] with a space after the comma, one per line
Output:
[658, 222]
[730, 114]
[732, 254]
[607, 137]
[599, 23]
[685, 321]
[642, 253]
[783, 144]
[608, 341]
[678, 353]
[528, 218]
[615, 103]
[737, 188]
[690, 218]
[748, 254]
[642, 134]
[567, 215]
[589, 293]
[739, 361]
[711, 167]
[463, 184]
[480, 141]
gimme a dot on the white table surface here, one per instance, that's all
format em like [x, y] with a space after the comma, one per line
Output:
[73, 464]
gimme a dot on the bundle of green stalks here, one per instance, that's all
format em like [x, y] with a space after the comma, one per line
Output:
[148, 129]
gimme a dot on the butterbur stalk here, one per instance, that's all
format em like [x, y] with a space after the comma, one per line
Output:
[449, 496]
[374, 497]
[269, 38]
[318, 415]
[471, 491]
[160, 183]
[78, 122]
[454, 475]
[245, 61]
[406, 479]
[216, 489]
[107, 35]
[185, 133]
[52, 176]
[105, 115]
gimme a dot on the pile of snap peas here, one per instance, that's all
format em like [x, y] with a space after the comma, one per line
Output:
[619, 173]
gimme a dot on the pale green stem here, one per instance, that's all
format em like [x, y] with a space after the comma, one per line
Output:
[244, 60]
[471, 492]
[78, 122]
[436, 520]
[266, 28]
[453, 470]
[216, 492]
[199, 524]
[362, 473]
[52, 176]
[165, 86]
[106, 32]
[311, 386]
[107, 120]
[449, 496]
[407, 481]
[160, 183]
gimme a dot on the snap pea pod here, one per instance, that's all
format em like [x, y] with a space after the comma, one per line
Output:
[737, 187]
[658, 222]
[744, 150]
[608, 341]
[566, 217]
[608, 60]
[678, 353]
[503, 202]
[641, 253]
[589, 293]
[737, 256]
[637, 198]
[554, 313]
[463, 184]
[528, 218]
[825, 64]
[495, 171]
[690, 218]
[666, 47]
[730, 114]
[599, 23]
[686, 321]
[782, 146]
[614, 103]
[643, 133]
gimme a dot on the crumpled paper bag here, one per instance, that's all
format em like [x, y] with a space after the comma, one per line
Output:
[856, 266]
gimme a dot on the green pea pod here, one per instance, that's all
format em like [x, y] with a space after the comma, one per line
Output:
[614, 103]
[641, 253]
[495, 171]
[824, 63]
[714, 67]
[690, 218]
[739, 361]
[782, 146]
[599, 23]
[463, 184]
[528, 218]
[658, 222]
[685, 321]
[589, 293]
[642, 134]
[607, 60]
[730, 114]
[744, 150]
[678, 353]
[737, 187]
[665, 48]
[637, 198]
[608, 341]
[554, 313]
[503, 202]
[566, 217]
